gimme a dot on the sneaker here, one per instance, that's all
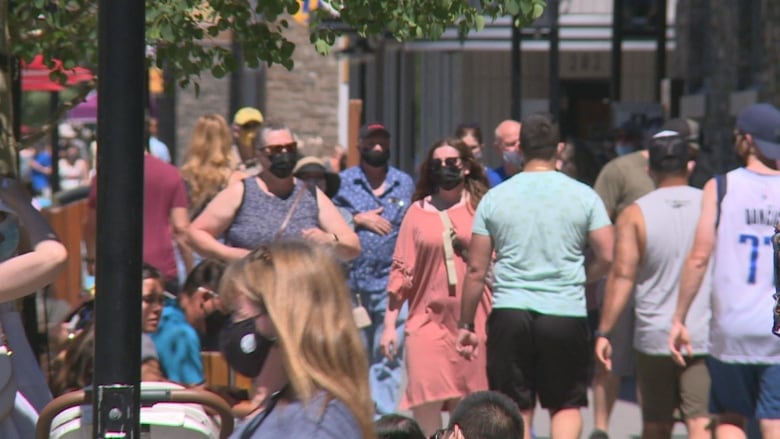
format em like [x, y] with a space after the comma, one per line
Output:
[598, 434]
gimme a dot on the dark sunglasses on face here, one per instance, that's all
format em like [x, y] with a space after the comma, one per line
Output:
[369, 143]
[273, 150]
[450, 162]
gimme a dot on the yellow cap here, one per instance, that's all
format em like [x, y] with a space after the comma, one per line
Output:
[246, 115]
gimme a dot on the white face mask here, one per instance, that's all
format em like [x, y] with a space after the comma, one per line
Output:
[513, 158]
[623, 148]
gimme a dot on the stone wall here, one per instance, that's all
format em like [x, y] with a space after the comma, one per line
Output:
[305, 98]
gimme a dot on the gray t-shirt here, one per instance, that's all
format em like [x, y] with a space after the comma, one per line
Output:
[297, 420]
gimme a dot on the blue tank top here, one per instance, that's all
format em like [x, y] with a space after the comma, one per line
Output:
[261, 215]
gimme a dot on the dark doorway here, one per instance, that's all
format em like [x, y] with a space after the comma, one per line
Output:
[586, 123]
[586, 115]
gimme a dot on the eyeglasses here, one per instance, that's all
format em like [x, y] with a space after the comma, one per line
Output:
[150, 299]
[450, 162]
[273, 150]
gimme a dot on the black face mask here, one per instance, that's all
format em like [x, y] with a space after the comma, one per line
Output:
[282, 164]
[377, 159]
[447, 177]
[244, 348]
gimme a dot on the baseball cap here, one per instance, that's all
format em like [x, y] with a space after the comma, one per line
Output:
[762, 121]
[373, 127]
[314, 164]
[246, 115]
[687, 128]
[668, 151]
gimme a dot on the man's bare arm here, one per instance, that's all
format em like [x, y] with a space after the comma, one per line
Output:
[622, 275]
[699, 256]
[602, 242]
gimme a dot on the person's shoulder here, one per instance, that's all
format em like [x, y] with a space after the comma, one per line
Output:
[612, 166]
[159, 165]
[312, 420]
[573, 185]
[394, 173]
[161, 171]
[350, 176]
[351, 172]
[416, 207]
[336, 421]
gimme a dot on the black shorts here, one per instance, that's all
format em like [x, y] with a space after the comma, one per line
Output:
[531, 354]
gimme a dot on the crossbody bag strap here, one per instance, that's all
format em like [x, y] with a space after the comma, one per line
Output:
[449, 252]
[290, 212]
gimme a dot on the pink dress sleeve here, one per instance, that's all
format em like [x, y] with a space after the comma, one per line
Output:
[401, 276]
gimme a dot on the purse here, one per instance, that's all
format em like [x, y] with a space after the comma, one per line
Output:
[449, 255]
[360, 314]
[8, 385]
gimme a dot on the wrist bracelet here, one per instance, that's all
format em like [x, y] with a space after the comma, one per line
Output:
[467, 326]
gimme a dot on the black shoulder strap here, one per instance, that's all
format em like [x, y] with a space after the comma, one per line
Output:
[720, 184]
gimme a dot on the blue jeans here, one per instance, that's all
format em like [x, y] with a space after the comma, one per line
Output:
[384, 376]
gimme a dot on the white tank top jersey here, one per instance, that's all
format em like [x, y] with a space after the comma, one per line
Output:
[671, 215]
[743, 278]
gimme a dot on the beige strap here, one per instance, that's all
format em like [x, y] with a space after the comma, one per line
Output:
[449, 252]
[295, 202]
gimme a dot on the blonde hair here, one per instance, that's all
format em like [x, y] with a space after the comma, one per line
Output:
[302, 288]
[209, 161]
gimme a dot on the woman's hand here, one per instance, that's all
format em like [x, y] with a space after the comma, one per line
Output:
[467, 344]
[389, 342]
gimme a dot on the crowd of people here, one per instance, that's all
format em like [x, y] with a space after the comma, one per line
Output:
[348, 296]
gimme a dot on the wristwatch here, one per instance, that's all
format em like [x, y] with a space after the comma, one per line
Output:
[467, 326]
[599, 334]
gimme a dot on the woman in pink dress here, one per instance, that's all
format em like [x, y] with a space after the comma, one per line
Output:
[450, 186]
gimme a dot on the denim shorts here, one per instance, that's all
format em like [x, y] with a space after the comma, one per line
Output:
[750, 390]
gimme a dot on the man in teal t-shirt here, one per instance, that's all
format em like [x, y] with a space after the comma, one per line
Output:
[539, 223]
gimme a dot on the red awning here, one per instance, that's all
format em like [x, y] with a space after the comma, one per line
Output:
[35, 75]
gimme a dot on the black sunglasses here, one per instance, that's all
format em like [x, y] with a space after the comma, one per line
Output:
[273, 150]
[450, 162]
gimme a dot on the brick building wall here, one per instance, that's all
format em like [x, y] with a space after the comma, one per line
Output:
[305, 98]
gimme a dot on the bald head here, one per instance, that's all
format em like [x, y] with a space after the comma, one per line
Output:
[508, 136]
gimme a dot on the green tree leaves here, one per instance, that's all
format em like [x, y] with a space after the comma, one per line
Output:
[188, 36]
